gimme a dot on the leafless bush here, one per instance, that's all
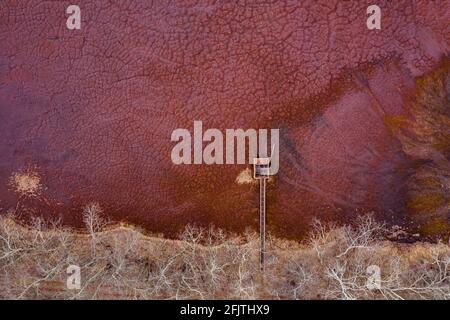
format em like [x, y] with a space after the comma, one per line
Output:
[37, 248]
[93, 220]
[122, 263]
[339, 263]
[215, 265]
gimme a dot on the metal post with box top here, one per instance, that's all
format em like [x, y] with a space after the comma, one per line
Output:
[261, 171]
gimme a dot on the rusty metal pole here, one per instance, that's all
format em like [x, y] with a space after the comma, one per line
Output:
[262, 222]
[261, 172]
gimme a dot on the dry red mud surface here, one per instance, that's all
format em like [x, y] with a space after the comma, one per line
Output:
[90, 112]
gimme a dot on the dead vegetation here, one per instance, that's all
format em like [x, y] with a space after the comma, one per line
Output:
[337, 262]
[425, 140]
[26, 183]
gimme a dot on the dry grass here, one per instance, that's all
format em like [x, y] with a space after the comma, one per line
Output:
[120, 262]
[26, 183]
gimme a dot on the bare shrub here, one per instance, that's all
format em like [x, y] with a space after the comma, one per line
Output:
[215, 265]
[92, 218]
[122, 263]
[336, 264]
